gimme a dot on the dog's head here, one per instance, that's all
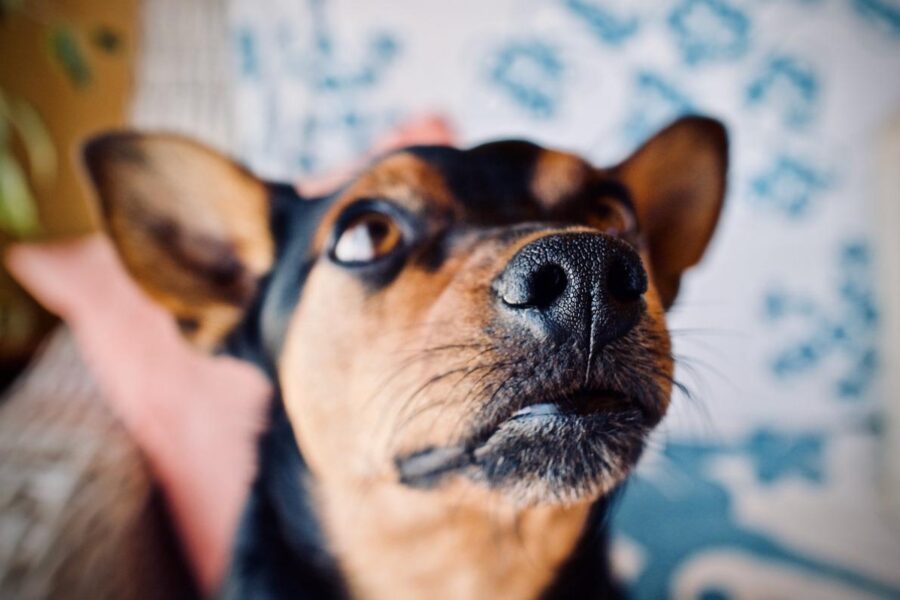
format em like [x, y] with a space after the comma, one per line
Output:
[491, 318]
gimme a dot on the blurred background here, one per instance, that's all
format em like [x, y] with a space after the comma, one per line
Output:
[777, 474]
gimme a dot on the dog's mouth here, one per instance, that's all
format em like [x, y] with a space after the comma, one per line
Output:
[561, 448]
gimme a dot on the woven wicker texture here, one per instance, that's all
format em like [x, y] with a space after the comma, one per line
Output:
[79, 516]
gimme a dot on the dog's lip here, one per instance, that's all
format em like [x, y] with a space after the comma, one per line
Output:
[544, 409]
[425, 466]
[580, 403]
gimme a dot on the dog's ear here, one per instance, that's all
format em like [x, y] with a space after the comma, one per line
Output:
[677, 183]
[192, 227]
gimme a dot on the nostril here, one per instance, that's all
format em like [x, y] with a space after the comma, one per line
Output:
[626, 279]
[547, 284]
[532, 287]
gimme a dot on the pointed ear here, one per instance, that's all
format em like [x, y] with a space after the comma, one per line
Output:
[677, 183]
[191, 226]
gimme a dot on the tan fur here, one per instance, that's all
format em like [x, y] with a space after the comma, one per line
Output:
[397, 543]
[557, 176]
[394, 542]
[406, 179]
[369, 374]
[677, 181]
[461, 541]
[190, 225]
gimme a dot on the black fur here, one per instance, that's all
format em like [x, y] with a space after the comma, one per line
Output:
[280, 551]
[586, 574]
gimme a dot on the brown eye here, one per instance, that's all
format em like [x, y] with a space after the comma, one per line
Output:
[367, 238]
[611, 215]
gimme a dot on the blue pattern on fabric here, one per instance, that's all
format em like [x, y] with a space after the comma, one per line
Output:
[529, 72]
[710, 30]
[845, 334]
[790, 186]
[707, 521]
[606, 25]
[656, 102]
[595, 75]
[883, 14]
[791, 87]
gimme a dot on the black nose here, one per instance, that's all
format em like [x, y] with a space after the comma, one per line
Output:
[589, 286]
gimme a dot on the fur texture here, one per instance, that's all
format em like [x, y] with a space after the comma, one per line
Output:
[458, 402]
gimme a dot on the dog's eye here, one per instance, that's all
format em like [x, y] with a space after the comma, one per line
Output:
[611, 215]
[367, 238]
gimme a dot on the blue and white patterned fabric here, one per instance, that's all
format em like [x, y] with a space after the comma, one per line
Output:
[764, 482]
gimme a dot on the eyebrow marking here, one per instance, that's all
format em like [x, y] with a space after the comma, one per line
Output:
[558, 176]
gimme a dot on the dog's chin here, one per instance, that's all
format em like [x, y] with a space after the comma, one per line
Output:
[544, 453]
[548, 455]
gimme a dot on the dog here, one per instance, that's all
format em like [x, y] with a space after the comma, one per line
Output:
[469, 348]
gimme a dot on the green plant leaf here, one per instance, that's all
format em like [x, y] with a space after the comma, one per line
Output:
[107, 39]
[4, 121]
[67, 51]
[36, 140]
[18, 215]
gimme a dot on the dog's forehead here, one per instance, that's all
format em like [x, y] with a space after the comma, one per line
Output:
[497, 181]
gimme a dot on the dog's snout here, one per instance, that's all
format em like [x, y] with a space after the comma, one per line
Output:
[584, 285]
